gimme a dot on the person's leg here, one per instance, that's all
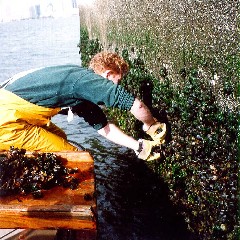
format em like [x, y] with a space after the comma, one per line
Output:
[55, 130]
[32, 138]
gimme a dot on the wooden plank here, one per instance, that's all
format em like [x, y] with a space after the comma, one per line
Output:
[60, 207]
[83, 212]
[16, 221]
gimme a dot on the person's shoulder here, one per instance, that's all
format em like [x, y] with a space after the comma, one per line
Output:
[65, 66]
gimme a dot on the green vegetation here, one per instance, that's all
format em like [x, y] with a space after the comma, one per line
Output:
[87, 47]
[199, 158]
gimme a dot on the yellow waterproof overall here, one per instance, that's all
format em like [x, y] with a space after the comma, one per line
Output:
[28, 126]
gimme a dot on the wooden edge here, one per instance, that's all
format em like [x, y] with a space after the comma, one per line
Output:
[82, 212]
[83, 156]
[53, 222]
[43, 208]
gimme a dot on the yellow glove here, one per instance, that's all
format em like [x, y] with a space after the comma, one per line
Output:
[157, 131]
[145, 150]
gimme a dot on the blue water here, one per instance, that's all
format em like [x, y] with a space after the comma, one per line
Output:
[132, 201]
[35, 43]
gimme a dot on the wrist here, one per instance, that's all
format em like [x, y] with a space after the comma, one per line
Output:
[147, 126]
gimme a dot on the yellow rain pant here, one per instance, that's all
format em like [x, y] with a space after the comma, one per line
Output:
[28, 126]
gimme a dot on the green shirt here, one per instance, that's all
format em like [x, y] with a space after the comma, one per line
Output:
[68, 85]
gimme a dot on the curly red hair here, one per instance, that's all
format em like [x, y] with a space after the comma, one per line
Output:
[108, 61]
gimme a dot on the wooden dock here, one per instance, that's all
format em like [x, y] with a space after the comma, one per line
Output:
[60, 208]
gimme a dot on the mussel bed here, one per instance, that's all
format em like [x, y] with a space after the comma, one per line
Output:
[23, 174]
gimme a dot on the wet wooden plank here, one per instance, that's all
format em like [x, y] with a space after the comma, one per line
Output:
[18, 221]
[60, 207]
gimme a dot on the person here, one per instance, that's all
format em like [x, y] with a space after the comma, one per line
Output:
[30, 99]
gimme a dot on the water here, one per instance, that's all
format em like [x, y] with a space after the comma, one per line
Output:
[132, 202]
[38, 42]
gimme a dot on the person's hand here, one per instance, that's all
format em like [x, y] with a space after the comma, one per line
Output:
[145, 150]
[157, 132]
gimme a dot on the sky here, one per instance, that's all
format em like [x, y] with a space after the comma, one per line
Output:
[16, 10]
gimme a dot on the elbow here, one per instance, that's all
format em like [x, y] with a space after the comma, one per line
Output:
[137, 105]
[104, 131]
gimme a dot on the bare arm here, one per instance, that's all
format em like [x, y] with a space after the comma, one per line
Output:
[142, 147]
[114, 134]
[142, 113]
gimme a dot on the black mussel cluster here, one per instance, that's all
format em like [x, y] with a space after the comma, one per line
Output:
[22, 174]
[200, 163]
